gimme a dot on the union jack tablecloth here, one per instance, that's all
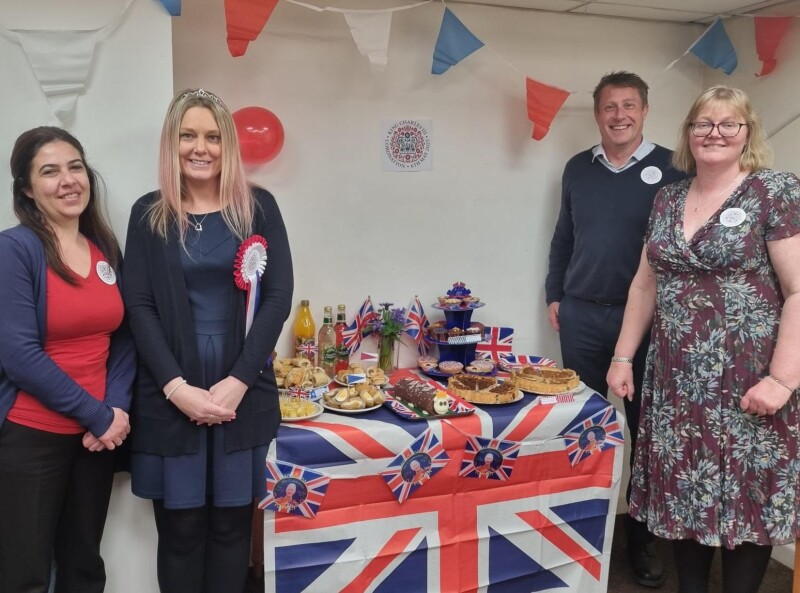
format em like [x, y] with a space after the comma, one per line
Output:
[548, 528]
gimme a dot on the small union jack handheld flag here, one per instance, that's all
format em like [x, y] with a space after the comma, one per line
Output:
[496, 342]
[354, 333]
[415, 325]
[415, 465]
[294, 489]
[490, 459]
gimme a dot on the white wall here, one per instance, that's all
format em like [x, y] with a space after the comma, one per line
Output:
[485, 214]
[117, 119]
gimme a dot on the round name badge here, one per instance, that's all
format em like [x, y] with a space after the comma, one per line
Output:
[106, 273]
[651, 175]
[732, 217]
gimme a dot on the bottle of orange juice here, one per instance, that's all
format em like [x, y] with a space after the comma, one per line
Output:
[305, 333]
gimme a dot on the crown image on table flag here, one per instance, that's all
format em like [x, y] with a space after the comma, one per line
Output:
[544, 102]
[415, 465]
[769, 34]
[489, 459]
[714, 47]
[455, 42]
[416, 323]
[294, 489]
[370, 31]
[244, 20]
[598, 432]
[354, 333]
[496, 343]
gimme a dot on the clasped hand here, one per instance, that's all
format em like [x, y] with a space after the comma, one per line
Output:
[111, 438]
[215, 406]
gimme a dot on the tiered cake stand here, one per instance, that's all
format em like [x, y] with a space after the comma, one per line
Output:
[460, 348]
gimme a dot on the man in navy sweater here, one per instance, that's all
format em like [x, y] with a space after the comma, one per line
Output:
[606, 198]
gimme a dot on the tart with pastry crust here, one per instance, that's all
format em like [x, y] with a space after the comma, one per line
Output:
[545, 379]
[482, 390]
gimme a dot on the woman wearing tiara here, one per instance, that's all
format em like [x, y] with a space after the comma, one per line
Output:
[209, 288]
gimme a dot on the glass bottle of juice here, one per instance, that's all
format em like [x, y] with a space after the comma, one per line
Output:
[342, 356]
[305, 333]
[326, 344]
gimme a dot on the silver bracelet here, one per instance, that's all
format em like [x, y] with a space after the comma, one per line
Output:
[625, 359]
[781, 383]
[174, 389]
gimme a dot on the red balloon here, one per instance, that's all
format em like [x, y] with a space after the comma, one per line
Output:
[260, 134]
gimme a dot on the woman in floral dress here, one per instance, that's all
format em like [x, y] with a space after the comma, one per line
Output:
[719, 280]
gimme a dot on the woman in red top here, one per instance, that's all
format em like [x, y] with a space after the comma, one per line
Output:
[67, 370]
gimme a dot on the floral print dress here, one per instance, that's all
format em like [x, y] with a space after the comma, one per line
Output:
[704, 469]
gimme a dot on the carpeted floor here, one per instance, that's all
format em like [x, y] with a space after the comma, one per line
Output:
[777, 580]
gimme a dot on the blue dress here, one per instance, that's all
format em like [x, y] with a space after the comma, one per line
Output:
[211, 475]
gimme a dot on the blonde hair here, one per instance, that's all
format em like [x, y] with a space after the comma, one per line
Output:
[757, 153]
[236, 198]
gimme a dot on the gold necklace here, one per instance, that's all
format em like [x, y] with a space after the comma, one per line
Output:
[697, 192]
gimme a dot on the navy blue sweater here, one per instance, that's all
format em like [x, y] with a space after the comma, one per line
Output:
[23, 362]
[600, 231]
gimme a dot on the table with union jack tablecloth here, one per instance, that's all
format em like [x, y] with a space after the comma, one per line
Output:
[546, 527]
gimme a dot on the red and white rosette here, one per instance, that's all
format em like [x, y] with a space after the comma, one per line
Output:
[251, 261]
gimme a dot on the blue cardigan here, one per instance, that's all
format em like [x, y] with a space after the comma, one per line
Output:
[23, 361]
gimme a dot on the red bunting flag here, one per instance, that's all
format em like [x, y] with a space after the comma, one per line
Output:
[769, 34]
[244, 20]
[544, 102]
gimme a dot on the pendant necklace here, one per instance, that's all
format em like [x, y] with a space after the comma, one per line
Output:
[697, 192]
[198, 224]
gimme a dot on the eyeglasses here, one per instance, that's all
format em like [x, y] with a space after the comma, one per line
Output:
[726, 129]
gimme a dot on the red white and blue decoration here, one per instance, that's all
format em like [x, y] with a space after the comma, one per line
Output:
[489, 459]
[594, 434]
[455, 42]
[415, 465]
[496, 343]
[416, 323]
[354, 333]
[547, 529]
[249, 266]
[294, 489]
[714, 47]
[515, 361]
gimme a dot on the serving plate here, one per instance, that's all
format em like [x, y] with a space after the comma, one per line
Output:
[581, 386]
[317, 411]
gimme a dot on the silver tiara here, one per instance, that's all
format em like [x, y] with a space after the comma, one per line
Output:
[203, 94]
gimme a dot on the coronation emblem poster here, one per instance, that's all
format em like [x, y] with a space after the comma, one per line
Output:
[406, 145]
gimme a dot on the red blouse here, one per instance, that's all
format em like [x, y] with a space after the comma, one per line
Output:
[80, 321]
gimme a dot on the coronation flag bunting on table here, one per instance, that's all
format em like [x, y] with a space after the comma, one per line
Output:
[416, 323]
[293, 489]
[526, 360]
[415, 465]
[354, 333]
[594, 434]
[490, 459]
[369, 357]
[496, 342]
[553, 535]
